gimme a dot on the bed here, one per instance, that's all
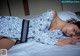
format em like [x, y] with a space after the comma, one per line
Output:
[32, 48]
[37, 49]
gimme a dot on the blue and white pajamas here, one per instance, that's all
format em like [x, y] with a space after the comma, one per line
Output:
[38, 29]
[11, 26]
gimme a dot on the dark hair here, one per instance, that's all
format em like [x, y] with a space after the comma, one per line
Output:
[77, 23]
[74, 22]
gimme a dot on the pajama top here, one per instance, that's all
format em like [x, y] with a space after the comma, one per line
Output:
[11, 26]
[38, 29]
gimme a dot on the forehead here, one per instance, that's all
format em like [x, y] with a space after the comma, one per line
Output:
[71, 25]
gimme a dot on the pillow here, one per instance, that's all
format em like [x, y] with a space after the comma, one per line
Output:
[67, 15]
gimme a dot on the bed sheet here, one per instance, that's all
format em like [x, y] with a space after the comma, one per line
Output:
[37, 49]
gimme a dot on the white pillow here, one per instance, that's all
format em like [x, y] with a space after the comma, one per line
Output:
[67, 15]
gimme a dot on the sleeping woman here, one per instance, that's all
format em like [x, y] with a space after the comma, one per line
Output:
[49, 28]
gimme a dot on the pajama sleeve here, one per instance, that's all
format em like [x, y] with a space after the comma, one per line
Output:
[49, 37]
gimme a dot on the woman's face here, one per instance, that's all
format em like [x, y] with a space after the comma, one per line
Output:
[71, 30]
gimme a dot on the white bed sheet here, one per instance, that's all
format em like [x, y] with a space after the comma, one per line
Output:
[37, 49]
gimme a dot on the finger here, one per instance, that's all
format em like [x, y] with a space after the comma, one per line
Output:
[76, 37]
[73, 43]
[79, 40]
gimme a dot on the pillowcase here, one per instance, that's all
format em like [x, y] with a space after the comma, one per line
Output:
[67, 15]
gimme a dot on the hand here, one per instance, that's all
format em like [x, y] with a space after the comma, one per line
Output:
[68, 41]
[77, 38]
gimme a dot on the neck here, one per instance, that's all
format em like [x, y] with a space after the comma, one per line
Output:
[60, 24]
[57, 24]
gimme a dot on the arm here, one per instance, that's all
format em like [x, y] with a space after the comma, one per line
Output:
[6, 43]
[77, 38]
[68, 41]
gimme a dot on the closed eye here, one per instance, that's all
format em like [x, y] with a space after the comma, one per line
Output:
[77, 33]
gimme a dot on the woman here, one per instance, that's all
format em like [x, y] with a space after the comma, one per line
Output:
[49, 28]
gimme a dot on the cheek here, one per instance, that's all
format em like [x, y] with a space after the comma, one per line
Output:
[64, 29]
